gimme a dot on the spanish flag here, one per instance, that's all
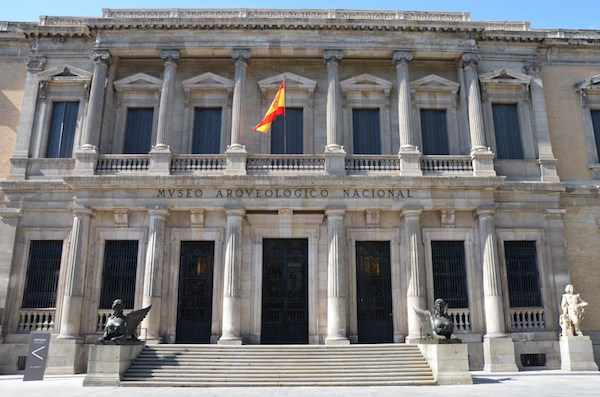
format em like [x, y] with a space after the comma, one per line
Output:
[277, 108]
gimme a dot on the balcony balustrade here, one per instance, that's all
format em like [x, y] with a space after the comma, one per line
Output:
[122, 163]
[280, 163]
[461, 319]
[36, 320]
[527, 319]
[198, 164]
[446, 165]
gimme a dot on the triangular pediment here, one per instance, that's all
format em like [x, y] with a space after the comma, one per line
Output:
[592, 83]
[138, 81]
[207, 81]
[292, 81]
[365, 82]
[434, 82]
[64, 73]
[505, 76]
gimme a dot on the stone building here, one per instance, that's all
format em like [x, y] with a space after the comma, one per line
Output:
[422, 155]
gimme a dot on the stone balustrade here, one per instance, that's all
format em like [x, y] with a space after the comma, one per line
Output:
[526, 319]
[461, 319]
[366, 164]
[438, 165]
[296, 163]
[194, 163]
[103, 315]
[36, 320]
[122, 163]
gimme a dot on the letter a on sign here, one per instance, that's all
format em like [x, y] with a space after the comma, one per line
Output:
[37, 357]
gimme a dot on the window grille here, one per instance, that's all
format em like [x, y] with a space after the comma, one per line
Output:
[434, 132]
[522, 274]
[533, 360]
[366, 131]
[62, 129]
[207, 131]
[43, 270]
[138, 130]
[507, 131]
[118, 274]
[288, 140]
[449, 273]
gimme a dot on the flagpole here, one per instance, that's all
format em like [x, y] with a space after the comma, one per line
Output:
[284, 123]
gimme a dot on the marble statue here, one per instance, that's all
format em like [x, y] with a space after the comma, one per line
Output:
[572, 315]
[438, 326]
[119, 328]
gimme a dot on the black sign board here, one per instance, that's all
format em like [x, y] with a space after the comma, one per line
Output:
[38, 354]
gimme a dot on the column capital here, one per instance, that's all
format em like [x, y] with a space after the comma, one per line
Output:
[232, 212]
[554, 213]
[101, 57]
[241, 55]
[486, 211]
[412, 212]
[35, 63]
[332, 56]
[83, 212]
[171, 56]
[469, 59]
[401, 57]
[533, 68]
[158, 212]
[335, 212]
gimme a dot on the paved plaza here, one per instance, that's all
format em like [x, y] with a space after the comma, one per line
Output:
[529, 384]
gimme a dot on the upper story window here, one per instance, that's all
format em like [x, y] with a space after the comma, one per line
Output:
[589, 99]
[435, 102]
[63, 95]
[287, 132]
[138, 130]
[366, 114]
[507, 131]
[61, 133]
[293, 134]
[366, 131]
[137, 100]
[507, 114]
[207, 114]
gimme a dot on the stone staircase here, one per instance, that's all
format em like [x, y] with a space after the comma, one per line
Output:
[279, 365]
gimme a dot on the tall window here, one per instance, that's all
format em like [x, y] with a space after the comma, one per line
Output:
[207, 131]
[62, 129]
[507, 131]
[366, 131]
[43, 270]
[434, 132]
[522, 274]
[287, 132]
[118, 274]
[596, 126]
[138, 130]
[449, 273]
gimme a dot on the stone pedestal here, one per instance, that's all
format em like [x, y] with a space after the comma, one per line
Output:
[236, 161]
[483, 163]
[577, 354]
[410, 162]
[335, 162]
[160, 161]
[448, 361]
[499, 355]
[66, 356]
[85, 161]
[107, 363]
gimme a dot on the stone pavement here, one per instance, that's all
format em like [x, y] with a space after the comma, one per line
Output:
[522, 384]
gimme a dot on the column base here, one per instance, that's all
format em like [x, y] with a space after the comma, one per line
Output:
[236, 160]
[85, 161]
[18, 168]
[66, 356]
[548, 170]
[577, 354]
[410, 162]
[230, 340]
[335, 160]
[499, 355]
[336, 341]
[160, 160]
[483, 162]
[449, 362]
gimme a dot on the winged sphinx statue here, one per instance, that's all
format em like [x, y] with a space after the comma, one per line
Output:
[438, 326]
[120, 328]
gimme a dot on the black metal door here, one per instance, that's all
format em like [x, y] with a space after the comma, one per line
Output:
[374, 292]
[194, 308]
[285, 291]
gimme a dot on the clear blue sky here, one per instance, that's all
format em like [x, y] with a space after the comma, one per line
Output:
[554, 14]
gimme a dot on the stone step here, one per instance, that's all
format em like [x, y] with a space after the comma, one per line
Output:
[260, 383]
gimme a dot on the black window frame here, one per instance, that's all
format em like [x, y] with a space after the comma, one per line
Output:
[62, 129]
[119, 285]
[522, 273]
[434, 132]
[207, 140]
[43, 273]
[135, 140]
[292, 123]
[507, 131]
[363, 139]
[449, 272]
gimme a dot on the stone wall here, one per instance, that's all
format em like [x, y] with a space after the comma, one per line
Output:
[12, 82]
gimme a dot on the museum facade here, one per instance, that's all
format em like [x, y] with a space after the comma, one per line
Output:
[422, 156]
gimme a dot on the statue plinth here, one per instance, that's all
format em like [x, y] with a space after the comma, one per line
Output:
[448, 359]
[577, 354]
[108, 363]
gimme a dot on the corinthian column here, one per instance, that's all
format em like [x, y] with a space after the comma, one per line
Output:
[336, 279]
[35, 64]
[236, 151]
[482, 158]
[153, 271]
[415, 294]
[334, 152]
[498, 350]
[232, 278]
[70, 324]
[88, 153]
